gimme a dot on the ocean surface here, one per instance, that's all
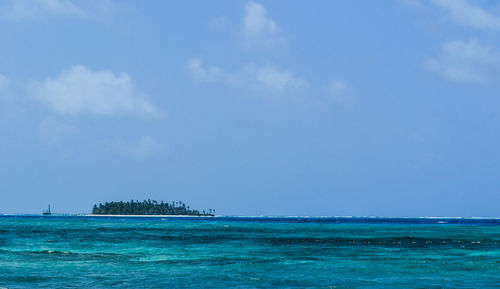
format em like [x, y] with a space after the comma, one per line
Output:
[231, 252]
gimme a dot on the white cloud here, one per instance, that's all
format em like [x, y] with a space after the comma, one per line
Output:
[34, 9]
[259, 30]
[80, 91]
[469, 61]
[256, 22]
[464, 13]
[267, 78]
[145, 148]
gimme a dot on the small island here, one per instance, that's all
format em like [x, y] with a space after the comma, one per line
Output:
[148, 207]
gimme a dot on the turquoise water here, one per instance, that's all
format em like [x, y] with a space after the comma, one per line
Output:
[67, 252]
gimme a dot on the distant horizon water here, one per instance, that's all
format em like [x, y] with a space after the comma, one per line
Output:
[253, 216]
[361, 219]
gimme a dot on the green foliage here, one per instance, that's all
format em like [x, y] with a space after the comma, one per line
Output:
[147, 207]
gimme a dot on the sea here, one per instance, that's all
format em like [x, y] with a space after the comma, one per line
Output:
[248, 252]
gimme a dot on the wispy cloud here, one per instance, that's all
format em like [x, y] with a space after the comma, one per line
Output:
[145, 148]
[34, 9]
[412, 3]
[4, 81]
[469, 61]
[199, 72]
[337, 87]
[340, 92]
[266, 77]
[4, 86]
[52, 131]
[259, 30]
[79, 91]
[277, 80]
[464, 13]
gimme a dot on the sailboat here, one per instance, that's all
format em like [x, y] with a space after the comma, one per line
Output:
[46, 213]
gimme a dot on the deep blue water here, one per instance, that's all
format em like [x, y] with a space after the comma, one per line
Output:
[228, 252]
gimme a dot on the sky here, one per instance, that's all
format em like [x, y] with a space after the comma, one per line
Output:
[326, 108]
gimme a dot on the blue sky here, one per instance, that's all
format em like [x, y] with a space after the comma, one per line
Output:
[367, 108]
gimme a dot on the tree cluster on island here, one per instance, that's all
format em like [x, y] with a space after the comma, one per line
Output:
[148, 207]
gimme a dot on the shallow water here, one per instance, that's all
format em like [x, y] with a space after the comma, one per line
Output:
[89, 252]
